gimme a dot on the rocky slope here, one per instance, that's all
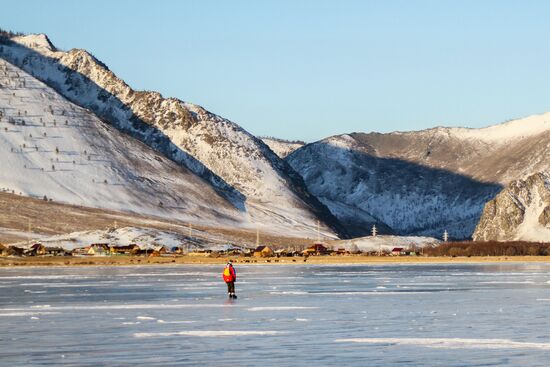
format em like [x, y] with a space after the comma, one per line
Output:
[239, 166]
[422, 182]
[519, 212]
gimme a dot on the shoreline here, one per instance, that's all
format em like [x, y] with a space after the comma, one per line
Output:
[122, 260]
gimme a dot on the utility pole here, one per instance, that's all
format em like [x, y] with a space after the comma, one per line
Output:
[374, 230]
[190, 229]
[257, 237]
[445, 236]
[29, 233]
[318, 232]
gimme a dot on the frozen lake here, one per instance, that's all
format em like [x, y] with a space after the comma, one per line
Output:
[286, 315]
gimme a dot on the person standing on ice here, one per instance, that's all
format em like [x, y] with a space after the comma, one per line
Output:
[230, 277]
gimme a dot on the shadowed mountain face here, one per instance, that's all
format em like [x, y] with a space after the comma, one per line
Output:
[423, 181]
[401, 197]
[239, 166]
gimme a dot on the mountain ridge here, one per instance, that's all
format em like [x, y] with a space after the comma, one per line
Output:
[484, 159]
[244, 169]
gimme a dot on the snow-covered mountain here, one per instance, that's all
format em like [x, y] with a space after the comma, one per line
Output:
[54, 150]
[238, 165]
[282, 147]
[520, 212]
[384, 244]
[422, 182]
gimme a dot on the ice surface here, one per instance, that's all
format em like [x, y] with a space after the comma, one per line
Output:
[447, 343]
[286, 315]
[206, 333]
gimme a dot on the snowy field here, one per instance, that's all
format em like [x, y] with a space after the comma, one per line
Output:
[296, 315]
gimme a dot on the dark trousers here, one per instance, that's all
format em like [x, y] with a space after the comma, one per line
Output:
[230, 287]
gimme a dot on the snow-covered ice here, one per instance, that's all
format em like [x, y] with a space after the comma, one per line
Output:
[352, 315]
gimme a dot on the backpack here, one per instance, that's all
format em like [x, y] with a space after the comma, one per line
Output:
[227, 271]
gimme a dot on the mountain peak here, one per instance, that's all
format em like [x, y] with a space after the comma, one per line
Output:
[514, 129]
[38, 41]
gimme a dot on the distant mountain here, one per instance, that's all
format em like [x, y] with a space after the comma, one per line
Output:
[282, 147]
[421, 182]
[520, 212]
[238, 165]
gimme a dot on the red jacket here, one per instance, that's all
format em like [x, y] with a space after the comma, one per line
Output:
[229, 274]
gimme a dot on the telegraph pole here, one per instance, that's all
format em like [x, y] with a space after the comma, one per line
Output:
[318, 232]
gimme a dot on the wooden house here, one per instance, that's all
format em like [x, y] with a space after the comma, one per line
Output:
[80, 251]
[317, 249]
[130, 249]
[98, 249]
[341, 251]
[6, 250]
[281, 253]
[263, 251]
[36, 250]
[397, 251]
[158, 251]
[57, 251]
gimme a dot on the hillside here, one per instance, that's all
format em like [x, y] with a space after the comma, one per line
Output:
[519, 212]
[362, 188]
[239, 166]
[54, 150]
[422, 182]
[496, 154]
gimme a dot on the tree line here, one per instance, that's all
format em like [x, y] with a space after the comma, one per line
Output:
[490, 248]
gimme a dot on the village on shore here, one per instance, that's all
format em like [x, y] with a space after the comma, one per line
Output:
[263, 251]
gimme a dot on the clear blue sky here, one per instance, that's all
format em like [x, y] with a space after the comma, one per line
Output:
[309, 69]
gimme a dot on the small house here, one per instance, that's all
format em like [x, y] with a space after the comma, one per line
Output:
[397, 251]
[124, 250]
[317, 249]
[57, 251]
[158, 251]
[281, 253]
[98, 249]
[16, 251]
[80, 251]
[263, 251]
[341, 251]
[11, 251]
[36, 250]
